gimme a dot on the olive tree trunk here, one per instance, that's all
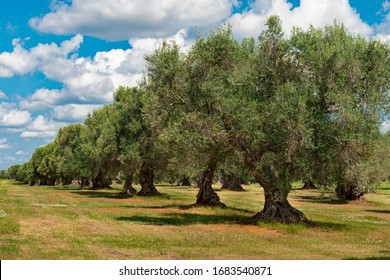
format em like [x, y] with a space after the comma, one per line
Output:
[308, 185]
[185, 181]
[349, 191]
[231, 182]
[128, 186]
[206, 195]
[101, 182]
[146, 181]
[83, 182]
[279, 210]
[276, 209]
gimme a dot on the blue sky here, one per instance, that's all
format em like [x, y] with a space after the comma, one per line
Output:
[60, 60]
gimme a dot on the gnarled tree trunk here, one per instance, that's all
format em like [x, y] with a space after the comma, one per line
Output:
[185, 181]
[349, 191]
[66, 181]
[276, 210]
[146, 181]
[100, 182]
[308, 185]
[51, 181]
[279, 211]
[128, 186]
[83, 182]
[206, 195]
[231, 182]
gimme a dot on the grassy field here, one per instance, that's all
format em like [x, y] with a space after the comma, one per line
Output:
[69, 223]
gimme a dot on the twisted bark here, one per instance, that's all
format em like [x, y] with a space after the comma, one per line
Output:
[206, 195]
[146, 181]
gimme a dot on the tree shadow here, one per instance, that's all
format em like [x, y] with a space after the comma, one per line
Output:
[118, 195]
[65, 188]
[183, 207]
[320, 200]
[242, 210]
[179, 206]
[173, 186]
[370, 258]
[232, 191]
[328, 225]
[379, 211]
[100, 194]
[184, 219]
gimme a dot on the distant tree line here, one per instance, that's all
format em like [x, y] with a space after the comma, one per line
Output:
[274, 110]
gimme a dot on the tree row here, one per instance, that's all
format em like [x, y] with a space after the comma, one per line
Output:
[276, 109]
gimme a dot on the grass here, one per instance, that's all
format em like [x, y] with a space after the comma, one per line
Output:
[68, 223]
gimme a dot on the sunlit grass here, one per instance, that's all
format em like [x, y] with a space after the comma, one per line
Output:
[68, 223]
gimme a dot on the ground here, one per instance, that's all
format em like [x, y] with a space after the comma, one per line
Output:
[68, 223]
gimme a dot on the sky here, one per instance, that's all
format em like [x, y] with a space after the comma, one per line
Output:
[60, 60]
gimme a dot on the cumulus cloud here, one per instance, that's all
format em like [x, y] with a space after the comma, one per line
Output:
[383, 28]
[73, 112]
[10, 158]
[121, 20]
[93, 80]
[10, 116]
[2, 95]
[3, 143]
[21, 61]
[310, 12]
[385, 126]
[42, 127]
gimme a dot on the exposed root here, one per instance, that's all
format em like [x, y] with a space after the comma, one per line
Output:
[281, 212]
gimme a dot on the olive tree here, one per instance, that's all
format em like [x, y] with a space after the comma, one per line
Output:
[350, 76]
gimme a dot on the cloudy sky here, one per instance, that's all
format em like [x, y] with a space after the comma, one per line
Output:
[60, 60]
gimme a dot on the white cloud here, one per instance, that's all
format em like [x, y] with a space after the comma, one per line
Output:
[121, 20]
[3, 143]
[12, 130]
[73, 112]
[386, 6]
[2, 95]
[10, 116]
[19, 153]
[316, 12]
[385, 126]
[42, 128]
[383, 28]
[93, 80]
[41, 99]
[10, 158]
[21, 61]
[38, 134]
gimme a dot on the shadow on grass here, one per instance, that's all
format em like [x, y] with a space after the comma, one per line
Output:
[379, 211]
[184, 219]
[65, 188]
[99, 194]
[370, 258]
[117, 195]
[321, 200]
[179, 206]
[173, 186]
[328, 225]
[182, 207]
[231, 191]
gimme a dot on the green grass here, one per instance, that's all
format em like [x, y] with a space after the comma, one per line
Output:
[68, 223]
